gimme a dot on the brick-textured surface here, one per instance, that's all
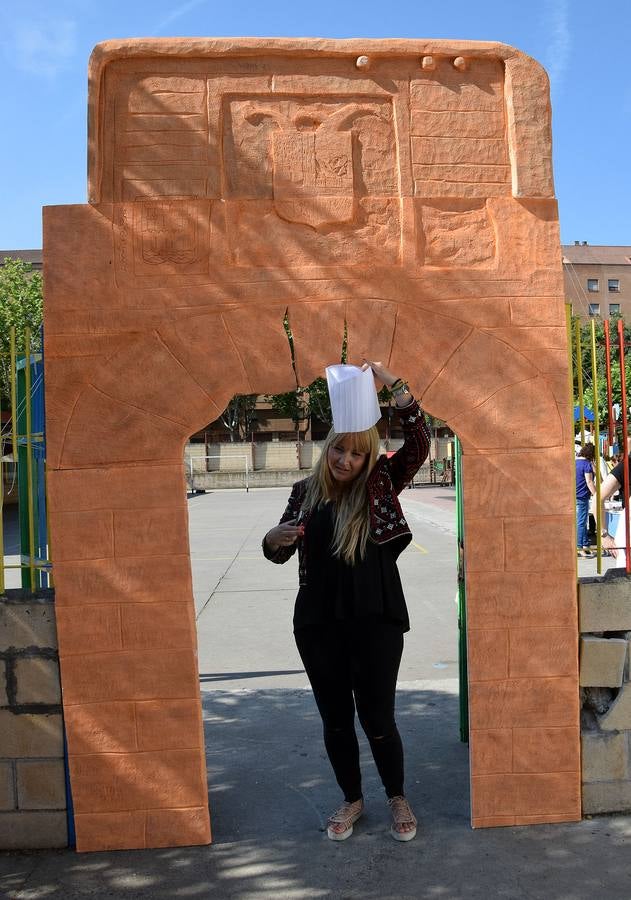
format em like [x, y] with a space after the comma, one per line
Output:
[605, 605]
[33, 830]
[37, 680]
[605, 757]
[449, 254]
[41, 784]
[7, 785]
[602, 661]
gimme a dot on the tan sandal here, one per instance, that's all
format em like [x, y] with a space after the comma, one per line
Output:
[402, 815]
[346, 816]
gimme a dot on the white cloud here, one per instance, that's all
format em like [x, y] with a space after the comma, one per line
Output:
[177, 14]
[556, 24]
[43, 47]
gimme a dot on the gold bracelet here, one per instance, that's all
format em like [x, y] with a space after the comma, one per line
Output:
[401, 389]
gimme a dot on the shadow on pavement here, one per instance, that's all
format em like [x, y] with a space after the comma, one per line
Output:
[271, 790]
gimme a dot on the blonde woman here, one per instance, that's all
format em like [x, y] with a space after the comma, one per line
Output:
[350, 613]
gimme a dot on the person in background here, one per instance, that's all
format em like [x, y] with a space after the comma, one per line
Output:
[615, 544]
[585, 487]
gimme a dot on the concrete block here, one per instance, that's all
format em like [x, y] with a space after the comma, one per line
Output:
[7, 792]
[41, 784]
[605, 797]
[604, 757]
[30, 735]
[27, 625]
[602, 661]
[33, 830]
[618, 716]
[605, 605]
[37, 680]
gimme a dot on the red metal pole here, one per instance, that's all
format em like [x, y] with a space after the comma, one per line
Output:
[625, 449]
[609, 391]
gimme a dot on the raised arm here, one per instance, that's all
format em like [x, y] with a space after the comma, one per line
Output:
[406, 462]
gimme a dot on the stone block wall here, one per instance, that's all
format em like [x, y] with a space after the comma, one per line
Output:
[32, 777]
[605, 680]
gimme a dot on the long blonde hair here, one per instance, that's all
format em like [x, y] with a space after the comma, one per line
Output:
[352, 522]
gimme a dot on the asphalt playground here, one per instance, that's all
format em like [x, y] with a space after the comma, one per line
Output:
[270, 787]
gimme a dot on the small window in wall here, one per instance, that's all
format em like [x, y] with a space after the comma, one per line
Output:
[594, 309]
[592, 285]
[613, 285]
[614, 309]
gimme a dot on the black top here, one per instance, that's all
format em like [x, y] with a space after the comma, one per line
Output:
[618, 474]
[336, 590]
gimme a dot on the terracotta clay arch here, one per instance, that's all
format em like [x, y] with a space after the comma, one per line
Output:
[231, 182]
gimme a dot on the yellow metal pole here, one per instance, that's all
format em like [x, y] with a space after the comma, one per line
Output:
[596, 451]
[29, 460]
[14, 409]
[568, 325]
[579, 373]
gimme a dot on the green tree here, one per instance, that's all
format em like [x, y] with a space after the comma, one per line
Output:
[21, 306]
[239, 416]
[601, 376]
[312, 400]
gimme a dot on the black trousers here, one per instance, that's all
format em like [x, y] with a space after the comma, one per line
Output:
[350, 665]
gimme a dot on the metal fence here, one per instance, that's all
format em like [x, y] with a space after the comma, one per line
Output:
[23, 523]
[598, 369]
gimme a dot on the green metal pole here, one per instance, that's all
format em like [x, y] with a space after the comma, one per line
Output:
[579, 372]
[462, 604]
[599, 548]
[568, 323]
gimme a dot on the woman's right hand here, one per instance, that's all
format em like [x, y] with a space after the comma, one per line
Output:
[284, 535]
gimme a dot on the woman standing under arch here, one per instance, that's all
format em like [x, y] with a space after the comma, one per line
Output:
[350, 614]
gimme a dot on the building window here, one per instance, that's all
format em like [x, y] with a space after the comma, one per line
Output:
[594, 309]
[613, 285]
[592, 285]
[614, 309]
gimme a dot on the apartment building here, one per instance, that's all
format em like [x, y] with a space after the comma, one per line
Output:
[598, 280]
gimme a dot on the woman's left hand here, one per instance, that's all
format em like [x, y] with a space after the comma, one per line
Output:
[380, 372]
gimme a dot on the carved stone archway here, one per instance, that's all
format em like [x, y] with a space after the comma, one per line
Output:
[402, 187]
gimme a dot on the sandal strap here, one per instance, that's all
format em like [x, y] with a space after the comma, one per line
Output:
[401, 812]
[346, 814]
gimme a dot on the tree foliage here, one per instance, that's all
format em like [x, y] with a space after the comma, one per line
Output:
[239, 416]
[21, 306]
[601, 373]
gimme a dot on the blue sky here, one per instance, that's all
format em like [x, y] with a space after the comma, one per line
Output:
[44, 50]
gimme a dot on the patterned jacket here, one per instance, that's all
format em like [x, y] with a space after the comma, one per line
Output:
[385, 482]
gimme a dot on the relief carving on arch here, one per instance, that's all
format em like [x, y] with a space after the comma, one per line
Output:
[231, 182]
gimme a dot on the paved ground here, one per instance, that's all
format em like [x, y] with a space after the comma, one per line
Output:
[270, 784]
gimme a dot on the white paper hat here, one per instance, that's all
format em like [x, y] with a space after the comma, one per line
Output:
[353, 397]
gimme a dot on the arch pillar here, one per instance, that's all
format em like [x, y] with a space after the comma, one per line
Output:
[165, 295]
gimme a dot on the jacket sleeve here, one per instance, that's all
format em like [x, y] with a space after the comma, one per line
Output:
[291, 512]
[410, 457]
